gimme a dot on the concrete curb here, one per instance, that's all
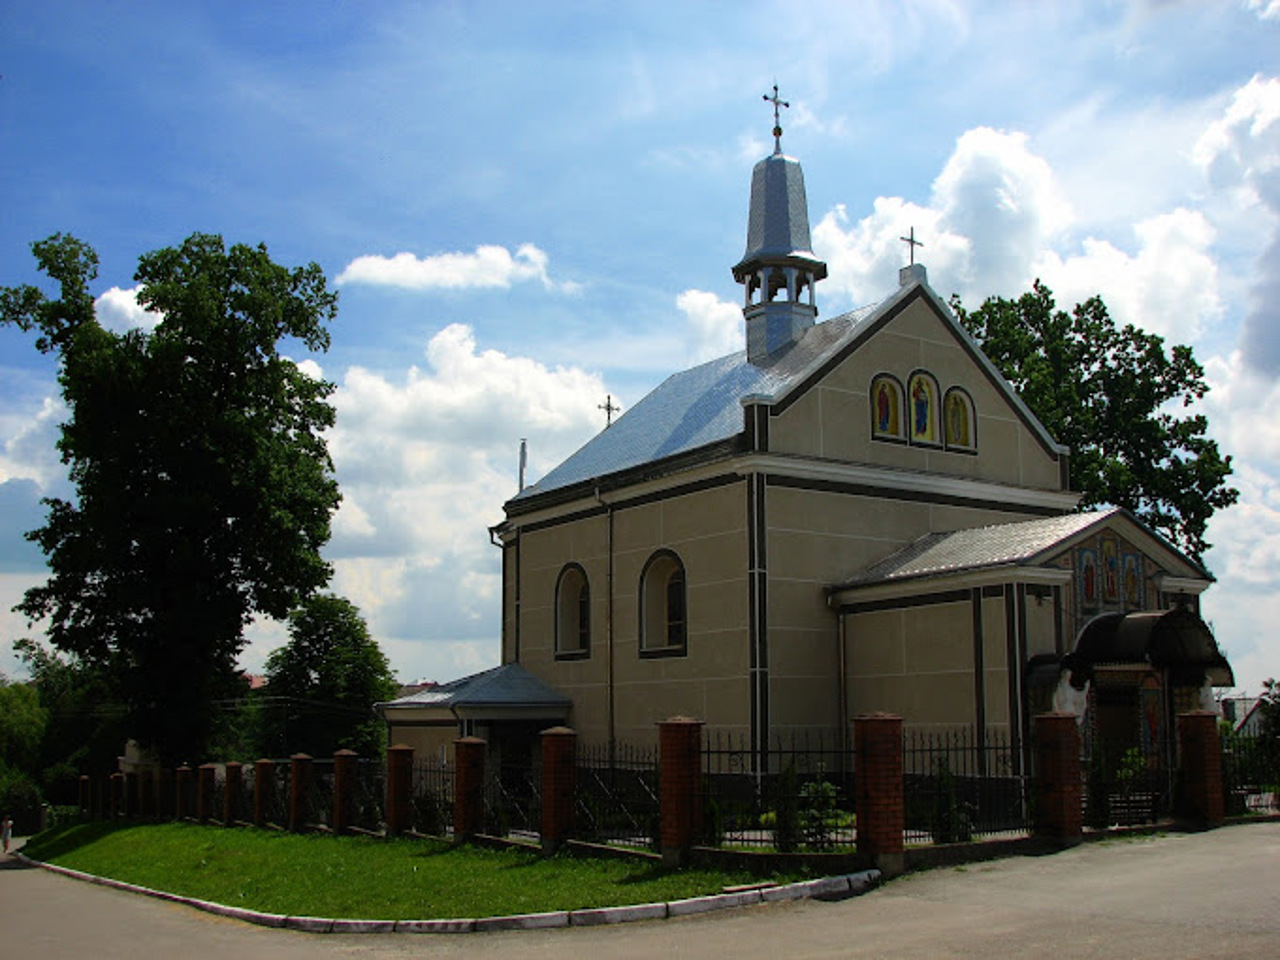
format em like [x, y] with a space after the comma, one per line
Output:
[838, 887]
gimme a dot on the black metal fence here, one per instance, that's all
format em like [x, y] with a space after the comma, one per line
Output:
[369, 797]
[431, 798]
[796, 795]
[617, 795]
[1126, 784]
[1250, 774]
[513, 797]
[962, 784]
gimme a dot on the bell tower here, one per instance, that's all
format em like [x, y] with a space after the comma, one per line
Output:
[778, 270]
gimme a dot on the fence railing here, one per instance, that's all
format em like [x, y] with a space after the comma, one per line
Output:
[513, 798]
[963, 784]
[1125, 785]
[617, 795]
[431, 798]
[1250, 774]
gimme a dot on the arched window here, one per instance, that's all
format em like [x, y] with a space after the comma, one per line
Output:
[922, 410]
[887, 421]
[573, 614]
[664, 627]
[958, 421]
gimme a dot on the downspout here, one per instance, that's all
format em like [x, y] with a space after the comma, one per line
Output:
[608, 620]
[842, 697]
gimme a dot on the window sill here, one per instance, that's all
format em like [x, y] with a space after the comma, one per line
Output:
[653, 653]
[573, 655]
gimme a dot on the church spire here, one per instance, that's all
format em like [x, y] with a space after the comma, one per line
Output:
[778, 270]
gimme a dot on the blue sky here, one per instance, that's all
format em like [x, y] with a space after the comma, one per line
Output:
[528, 206]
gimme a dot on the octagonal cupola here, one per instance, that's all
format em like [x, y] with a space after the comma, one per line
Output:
[779, 269]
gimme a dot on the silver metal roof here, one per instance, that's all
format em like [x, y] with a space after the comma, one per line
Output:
[697, 407]
[509, 685]
[778, 223]
[1003, 544]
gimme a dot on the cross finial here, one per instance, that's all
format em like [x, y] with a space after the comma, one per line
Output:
[912, 243]
[777, 123]
[609, 408]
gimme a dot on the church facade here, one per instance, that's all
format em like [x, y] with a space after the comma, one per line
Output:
[848, 516]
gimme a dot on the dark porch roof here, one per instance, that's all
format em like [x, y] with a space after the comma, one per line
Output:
[1176, 640]
[509, 685]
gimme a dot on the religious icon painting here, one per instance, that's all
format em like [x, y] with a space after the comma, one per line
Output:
[1110, 571]
[1087, 571]
[957, 418]
[886, 409]
[1132, 580]
[922, 408]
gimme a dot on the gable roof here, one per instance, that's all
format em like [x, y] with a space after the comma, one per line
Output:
[509, 685]
[1021, 543]
[698, 408]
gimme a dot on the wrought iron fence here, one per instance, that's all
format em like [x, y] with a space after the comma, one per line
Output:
[1250, 774]
[617, 795]
[797, 795]
[513, 797]
[317, 800]
[961, 784]
[1125, 784]
[277, 812]
[431, 798]
[369, 796]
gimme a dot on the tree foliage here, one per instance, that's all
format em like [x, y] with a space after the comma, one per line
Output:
[324, 682]
[1120, 401]
[203, 487]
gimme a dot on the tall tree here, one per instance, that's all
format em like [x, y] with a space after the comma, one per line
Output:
[323, 684]
[1119, 400]
[203, 487]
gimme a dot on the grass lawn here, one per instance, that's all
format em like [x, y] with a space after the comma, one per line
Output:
[364, 878]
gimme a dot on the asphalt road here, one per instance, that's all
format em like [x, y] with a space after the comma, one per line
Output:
[1205, 895]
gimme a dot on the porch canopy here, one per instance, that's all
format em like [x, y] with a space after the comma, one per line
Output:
[1175, 640]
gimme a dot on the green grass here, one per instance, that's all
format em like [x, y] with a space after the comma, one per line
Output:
[326, 876]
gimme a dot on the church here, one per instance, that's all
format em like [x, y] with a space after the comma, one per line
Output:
[851, 515]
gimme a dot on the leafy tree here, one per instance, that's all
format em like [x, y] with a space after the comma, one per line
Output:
[22, 722]
[203, 485]
[1117, 398]
[325, 681]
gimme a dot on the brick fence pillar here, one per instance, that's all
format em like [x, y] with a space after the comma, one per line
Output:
[878, 786]
[204, 791]
[344, 790]
[182, 793]
[84, 795]
[468, 787]
[300, 773]
[399, 788]
[1058, 785]
[264, 786]
[559, 785]
[679, 787]
[1200, 770]
[231, 794]
[116, 802]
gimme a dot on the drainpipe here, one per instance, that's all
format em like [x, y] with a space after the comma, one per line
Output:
[842, 696]
[608, 620]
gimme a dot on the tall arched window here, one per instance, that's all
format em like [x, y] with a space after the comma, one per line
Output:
[922, 410]
[887, 421]
[573, 614]
[664, 627]
[958, 421]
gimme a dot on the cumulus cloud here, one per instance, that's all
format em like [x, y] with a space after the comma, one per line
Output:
[716, 328]
[120, 311]
[1265, 9]
[1240, 154]
[489, 266]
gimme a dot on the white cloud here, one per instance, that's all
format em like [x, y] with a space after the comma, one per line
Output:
[489, 266]
[28, 443]
[1265, 9]
[716, 328]
[120, 311]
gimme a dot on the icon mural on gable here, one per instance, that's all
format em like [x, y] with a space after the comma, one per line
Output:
[1132, 580]
[1088, 563]
[1110, 571]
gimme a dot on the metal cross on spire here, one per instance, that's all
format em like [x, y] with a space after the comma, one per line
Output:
[912, 243]
[609, 408]
[777, 123]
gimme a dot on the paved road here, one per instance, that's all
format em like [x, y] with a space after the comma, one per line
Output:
[1199, 895]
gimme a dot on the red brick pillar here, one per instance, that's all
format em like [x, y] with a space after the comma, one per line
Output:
[468, 787]
[559, 785]
[679, 786]
[84, 795]
[1200, 771]
[231, 794]
[1058, 784]
[344, 790]
[399, 788]
[878, 785]
[264, 786]
[116, 803]
[299, 790]
[182, 793]
[204, 791]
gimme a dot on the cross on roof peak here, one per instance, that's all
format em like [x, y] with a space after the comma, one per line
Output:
[912, 243]
[777, 123]
[609, 408]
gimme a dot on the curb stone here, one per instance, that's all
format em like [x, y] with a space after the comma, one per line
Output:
[833, 887]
